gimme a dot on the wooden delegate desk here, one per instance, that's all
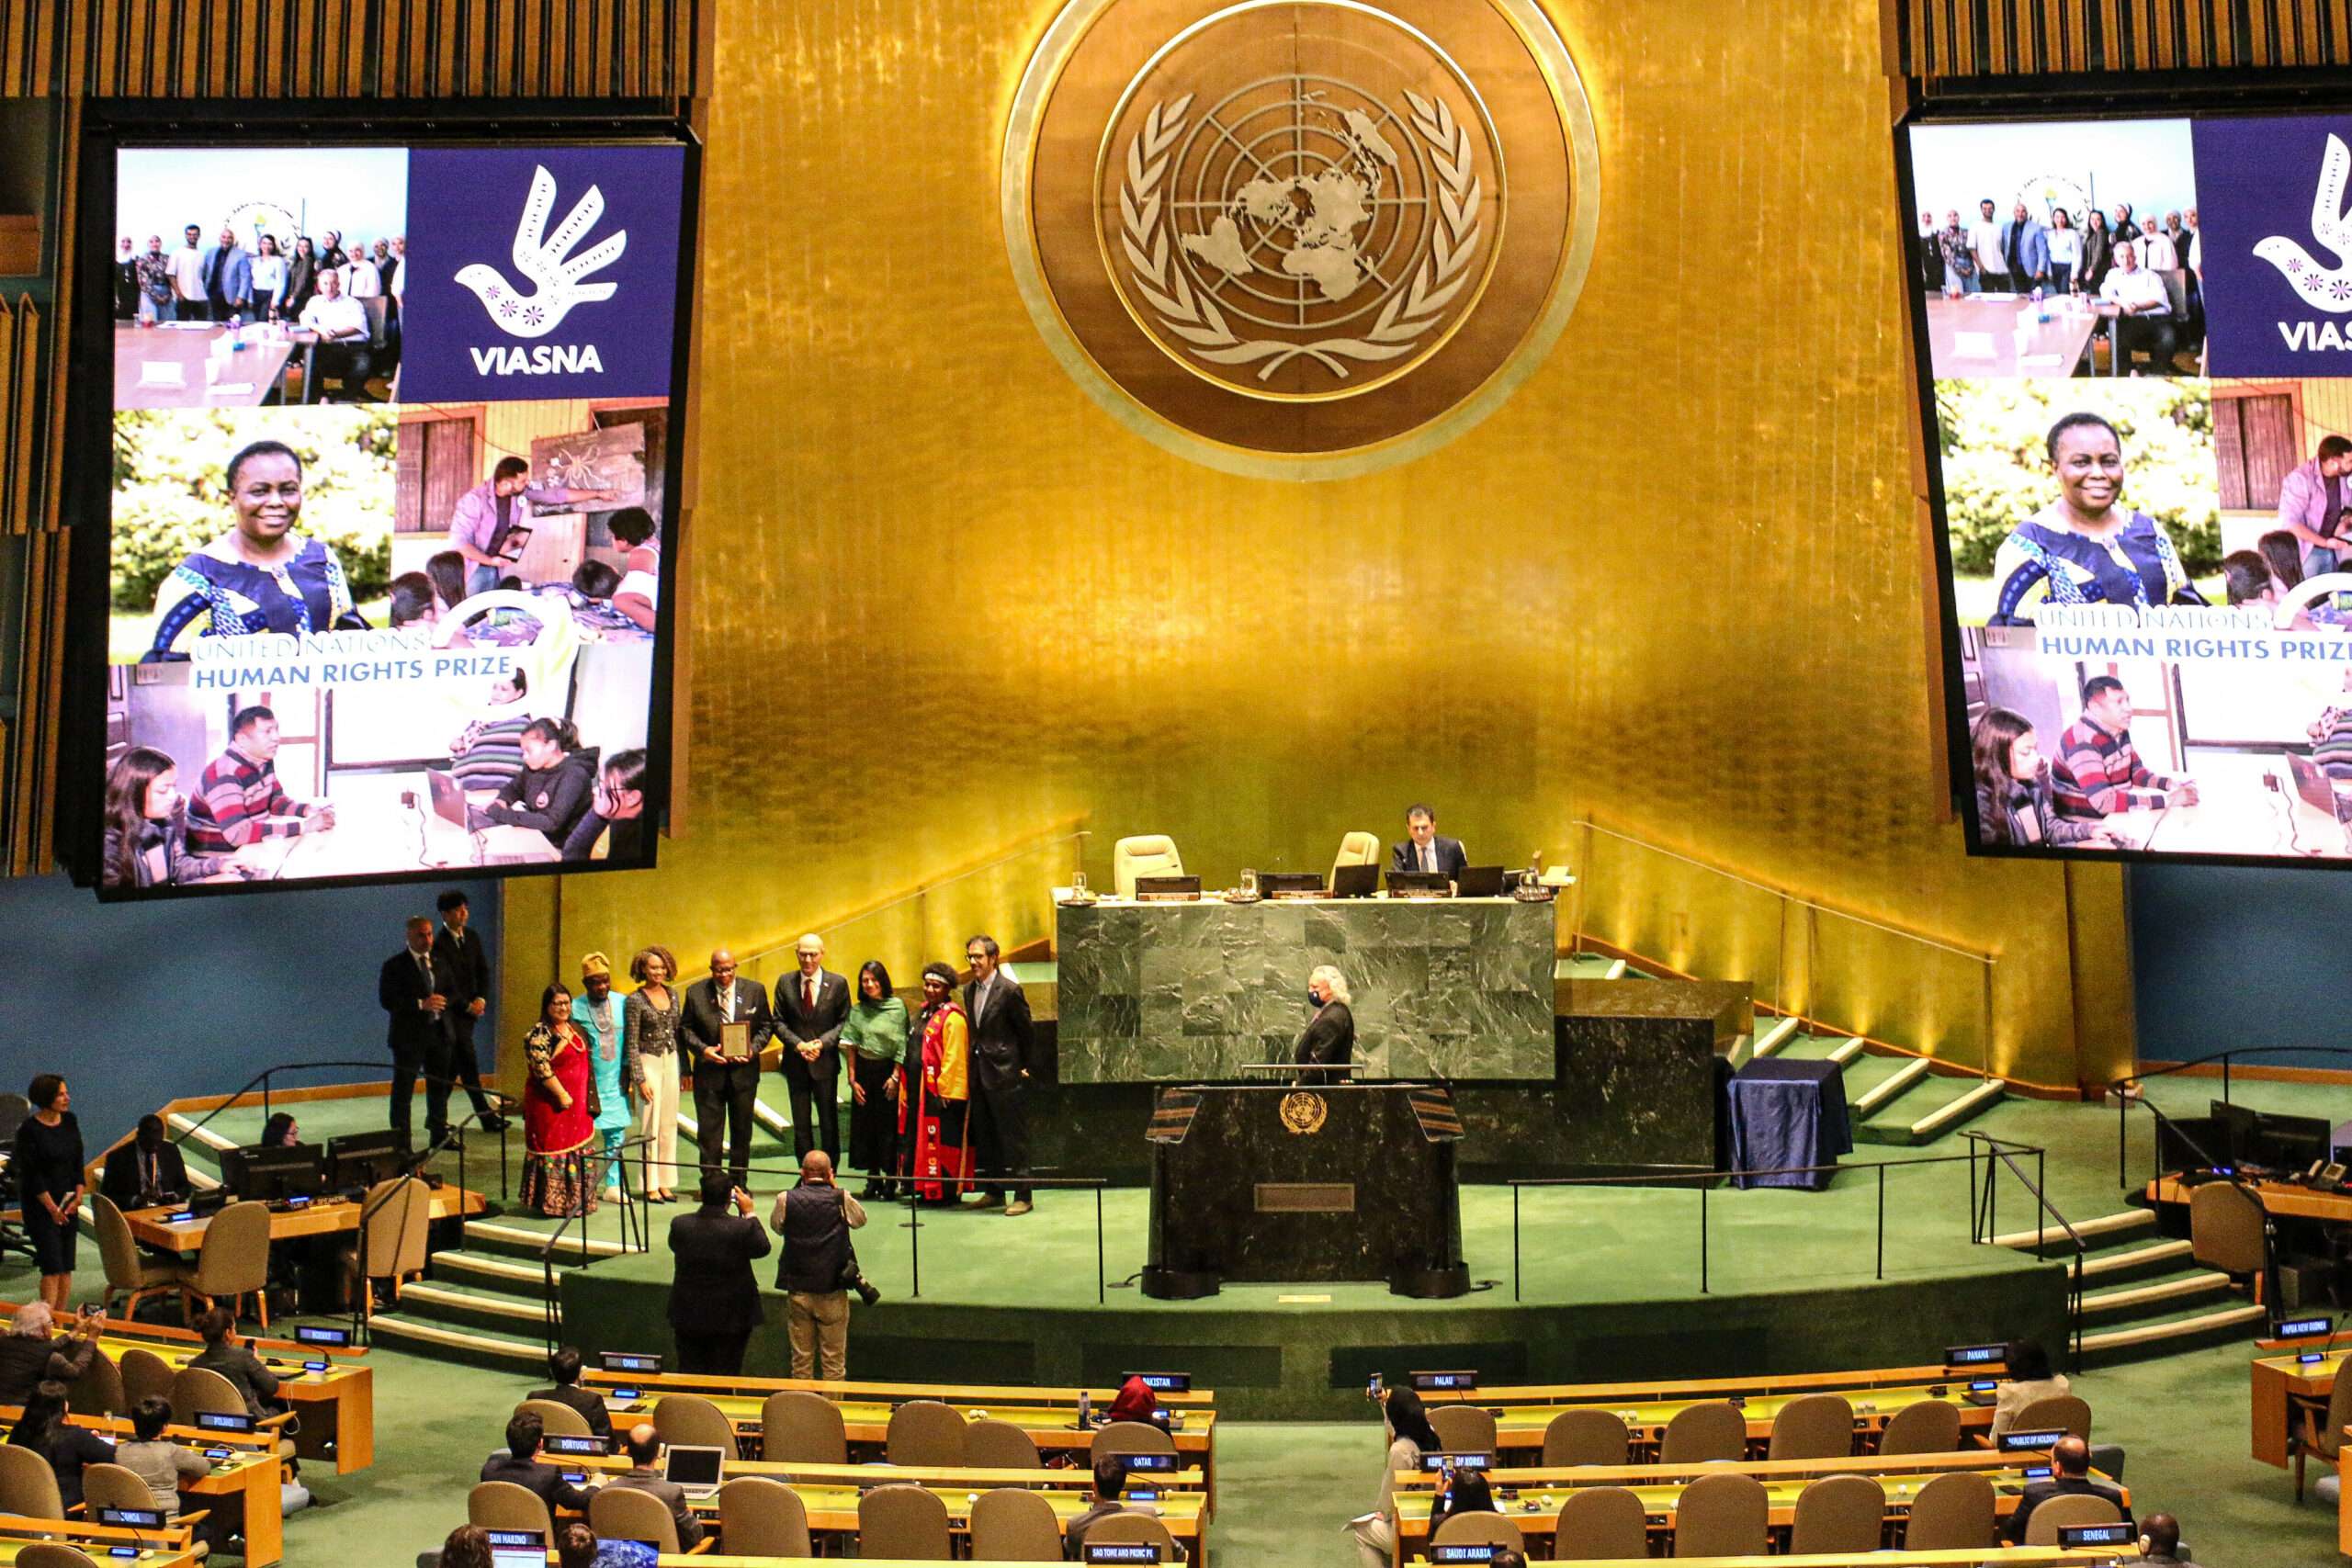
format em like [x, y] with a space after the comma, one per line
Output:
[1520, 1427]
[2282, 1198]
[327, 1216]
[1694, 1389]
[247, 378]
[833, 1507]
[2236, 812]
[373, 829]
[2282, 1385]
[1782, 1481]
[1988, 1557]
[251, 1474]
[959, 1395]
[2050, 348]
[169, 1548]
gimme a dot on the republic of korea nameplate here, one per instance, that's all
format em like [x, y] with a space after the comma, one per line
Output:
[1300, 238]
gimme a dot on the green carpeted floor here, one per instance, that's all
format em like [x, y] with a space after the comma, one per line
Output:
[1284, 1489]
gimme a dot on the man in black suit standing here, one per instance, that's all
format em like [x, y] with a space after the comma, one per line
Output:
[998, 1124]
[713, 1297]
[1424, 850]
[727, 1078]
[810, 1014]
[461, 948]
[145, 1171]
[2070, 1456]
[414, 988]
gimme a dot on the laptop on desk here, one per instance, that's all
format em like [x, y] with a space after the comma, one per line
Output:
[1478, 882]
[696, 1469]
[2317, 789]
[1354, 880]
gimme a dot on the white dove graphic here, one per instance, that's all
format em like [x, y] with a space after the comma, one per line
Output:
[2329, 290]
[556, 282]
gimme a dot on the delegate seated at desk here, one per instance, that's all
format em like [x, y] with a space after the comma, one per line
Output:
[555, 788]
[1424, 850]
[146, 1170]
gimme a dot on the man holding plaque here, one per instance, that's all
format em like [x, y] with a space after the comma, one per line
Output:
[725, 1025]
[813, 1005]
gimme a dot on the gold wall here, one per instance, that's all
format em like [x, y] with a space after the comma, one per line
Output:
[938, 601]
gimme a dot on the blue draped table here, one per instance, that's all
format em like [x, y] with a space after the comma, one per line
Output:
[1788, 1114]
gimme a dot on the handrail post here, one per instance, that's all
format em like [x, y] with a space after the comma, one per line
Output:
[1101, 1270]
[1882, 1220]
[1702, 1238]
[1515, 1241]
[1984, 1031]
[2041, 1187]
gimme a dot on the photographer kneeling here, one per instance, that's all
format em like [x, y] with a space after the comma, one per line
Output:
[818, 1268]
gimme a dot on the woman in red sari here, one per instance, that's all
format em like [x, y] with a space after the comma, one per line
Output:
[935, 1091]
[559, 1110]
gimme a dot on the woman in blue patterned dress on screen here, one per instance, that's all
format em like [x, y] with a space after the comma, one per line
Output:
[2083, 548]
[261, 576]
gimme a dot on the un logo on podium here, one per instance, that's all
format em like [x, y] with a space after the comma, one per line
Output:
[1302, 1111]
[1313, 236]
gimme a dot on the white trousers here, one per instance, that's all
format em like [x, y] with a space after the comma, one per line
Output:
[657, 1120]
[1375, 1539]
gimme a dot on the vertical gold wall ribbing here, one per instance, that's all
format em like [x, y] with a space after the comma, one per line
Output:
[1948, 39]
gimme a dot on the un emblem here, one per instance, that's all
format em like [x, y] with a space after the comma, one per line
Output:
[1302, 1111]
[1314, 236]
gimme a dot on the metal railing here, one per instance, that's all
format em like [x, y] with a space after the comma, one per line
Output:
[2036, 1187]
[1793, 926]
[632, 1213]
[2128, 1092]
[2131, 1091]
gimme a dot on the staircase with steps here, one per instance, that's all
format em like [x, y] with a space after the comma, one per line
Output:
[485, 1302]
[1891, 1098]
[2143, 1294]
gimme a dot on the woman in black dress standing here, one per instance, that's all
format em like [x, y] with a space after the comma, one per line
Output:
[1329, 1038]
[48, 1163]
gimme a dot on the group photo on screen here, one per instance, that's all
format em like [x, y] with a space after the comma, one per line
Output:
[253, 275]
[2059, 249]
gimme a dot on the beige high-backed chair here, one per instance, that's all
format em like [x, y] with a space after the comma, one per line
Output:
[1356, 848]
[1144, 854]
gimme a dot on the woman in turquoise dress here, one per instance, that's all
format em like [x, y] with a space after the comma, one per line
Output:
[612, 1063]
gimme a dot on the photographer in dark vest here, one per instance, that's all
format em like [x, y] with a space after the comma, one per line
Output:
[818, 1268]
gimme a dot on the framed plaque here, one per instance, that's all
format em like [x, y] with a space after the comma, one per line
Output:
[735, 1040]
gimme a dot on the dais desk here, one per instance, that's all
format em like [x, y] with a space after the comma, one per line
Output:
[325, 1217]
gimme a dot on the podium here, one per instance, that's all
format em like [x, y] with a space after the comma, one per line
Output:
[1265, 1182]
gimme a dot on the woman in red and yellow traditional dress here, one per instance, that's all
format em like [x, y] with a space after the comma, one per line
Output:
[559, 1110]
[935, 1091]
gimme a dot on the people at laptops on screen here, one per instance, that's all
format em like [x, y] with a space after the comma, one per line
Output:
[2085, 548]
[1424, 849]
[638, 592]
[2031, 1378]
[145, 1171]
[1409, 1437]
[146, 833]
[644, 1474]
[2098, 772]
[2070, 1458]
[239, 798]
[2016, 801]
[565, 1367]
[2331, 735]
[520, 1465]
[260, 576]
[1329, 1038]
[488, 752]
[557, 784]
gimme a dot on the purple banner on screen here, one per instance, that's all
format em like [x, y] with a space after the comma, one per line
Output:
[540, 271]
[2277, 248]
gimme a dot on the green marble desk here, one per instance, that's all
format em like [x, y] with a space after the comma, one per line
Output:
[1457, 988]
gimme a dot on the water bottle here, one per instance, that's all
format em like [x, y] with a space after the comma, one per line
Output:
[236, 335]
[1085, 1410]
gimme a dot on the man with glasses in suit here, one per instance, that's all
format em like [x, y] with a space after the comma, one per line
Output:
[999, 1127]
[811, 1010]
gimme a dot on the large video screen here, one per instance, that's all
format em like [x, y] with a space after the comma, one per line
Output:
[390, 510]
[2132, 337]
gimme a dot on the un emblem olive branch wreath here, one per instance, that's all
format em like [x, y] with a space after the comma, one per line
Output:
[1194, 314]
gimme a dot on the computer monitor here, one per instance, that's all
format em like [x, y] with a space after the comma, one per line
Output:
[2291, 1142]
[2236, 1128]
[362, 1159]
[1354, 880]
[273, 1172]
[1478, 882]
[2183, 1143]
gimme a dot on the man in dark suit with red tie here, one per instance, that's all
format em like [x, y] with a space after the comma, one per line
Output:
[811, 1010]
[727, 1078]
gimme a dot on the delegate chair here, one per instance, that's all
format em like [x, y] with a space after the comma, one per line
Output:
[1586, 1435]
[28, 1486]
[1000, 1445]
[1013, 1525]
[53, 1555]
[1356, 848]
[1930, 1427]
[903, 1522]
[761, 1518]
[399, 1211]
[131, 1272]
[1722, 1515]
[559, 1420]
[112, 1486]
[1951, 1513]
[925, 1432]
[803, 1428]
[1146, 855]
[98, 1390]
[1713, 1429]
[1818, 1425]
[2323, 1435]
[1135, 1529]
[2073, 1508]
[1839, 1512]
[234, 1259]
[199, 1390]
[1129, 1438]
[634, 1516]
[2069, 1411]
[1600, 1524]
[692, 1419]
[145, 1375]
[1463, 1428]
[505, 1505]
[2225, 1230]
[1480, 1529]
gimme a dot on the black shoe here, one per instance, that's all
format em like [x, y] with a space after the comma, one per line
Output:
[493, 1122]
